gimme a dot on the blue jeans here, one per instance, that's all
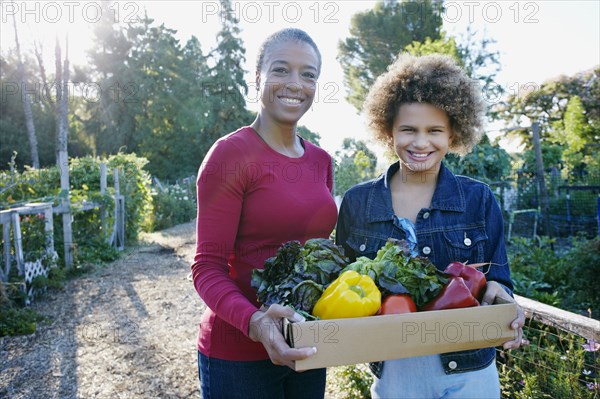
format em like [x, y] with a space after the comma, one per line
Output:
[256, 379]
[424, 377]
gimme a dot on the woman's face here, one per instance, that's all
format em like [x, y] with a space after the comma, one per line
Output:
[422, 136]
[288, 81]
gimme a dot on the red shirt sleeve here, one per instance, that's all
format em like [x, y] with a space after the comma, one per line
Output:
[220, 190]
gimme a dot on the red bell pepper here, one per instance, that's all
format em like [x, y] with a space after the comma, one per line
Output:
[474, 279]
[454, 295]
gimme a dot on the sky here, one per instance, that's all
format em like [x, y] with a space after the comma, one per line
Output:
[537, 40]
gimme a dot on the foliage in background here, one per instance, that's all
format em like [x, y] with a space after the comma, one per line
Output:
[487, 162]
[354, 163]
[164, 100]
[173, 205]
[566, 279]
[378, 35]
[555, 365]
[547, 104]
[309, 135]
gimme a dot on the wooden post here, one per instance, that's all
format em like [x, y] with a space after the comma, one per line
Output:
[18, 243]
[539, 162]
[6, 220]
[103, 184]
[49, 229]
[119, 224]
[62, 133]
[67, 217]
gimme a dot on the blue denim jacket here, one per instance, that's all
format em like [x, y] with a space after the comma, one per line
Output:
[464, 223]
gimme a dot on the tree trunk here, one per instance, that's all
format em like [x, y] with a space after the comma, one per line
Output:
[33, 146]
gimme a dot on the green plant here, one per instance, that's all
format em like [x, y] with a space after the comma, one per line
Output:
[135, 186]
[580, 267]
[568, 279]
[535, 269]
[174, 205]
[353, 382]
[556, 364]
[18, 321]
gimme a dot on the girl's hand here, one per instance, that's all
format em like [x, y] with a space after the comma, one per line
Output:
[265, 327]
[494, 290]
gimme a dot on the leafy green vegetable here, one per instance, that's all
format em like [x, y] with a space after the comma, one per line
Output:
[297, 275]
[396, 272]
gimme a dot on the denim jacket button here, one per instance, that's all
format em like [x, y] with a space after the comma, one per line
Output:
[452, 365]
[362, 247]
[426, 250]
[467, 241]
[426, 215]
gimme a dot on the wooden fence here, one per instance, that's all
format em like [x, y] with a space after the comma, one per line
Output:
[13, 244]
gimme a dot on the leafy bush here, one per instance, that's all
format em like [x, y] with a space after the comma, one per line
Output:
[534, 269]
[568, 280]
[135, 186]
[18, 321]
[174, 205]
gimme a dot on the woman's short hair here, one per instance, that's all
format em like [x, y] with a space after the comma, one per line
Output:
[435, 79]
[282, 36]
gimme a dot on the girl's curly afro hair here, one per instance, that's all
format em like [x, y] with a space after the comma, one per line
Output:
[434, 79]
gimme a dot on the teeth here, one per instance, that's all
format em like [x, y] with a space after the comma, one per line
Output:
[290, 100]
[419, 155]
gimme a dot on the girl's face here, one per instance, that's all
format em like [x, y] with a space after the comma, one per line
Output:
[288, 81]
[422, 136]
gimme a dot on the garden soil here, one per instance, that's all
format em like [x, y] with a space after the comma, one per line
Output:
[123, 330]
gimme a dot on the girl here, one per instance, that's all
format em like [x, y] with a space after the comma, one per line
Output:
[422, 108]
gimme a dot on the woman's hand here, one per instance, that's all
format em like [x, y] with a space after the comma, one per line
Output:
[494, 290]
[265, 327]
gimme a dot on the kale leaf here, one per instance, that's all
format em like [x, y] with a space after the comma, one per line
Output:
[297, 275]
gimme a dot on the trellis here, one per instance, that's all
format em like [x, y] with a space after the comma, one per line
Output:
[13, 248]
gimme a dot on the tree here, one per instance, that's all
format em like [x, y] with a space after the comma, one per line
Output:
[377, 36]
[111, 113]
[156, 66]
[572, 133]
[225, 88]
[309, 135]
[487, 162]
[443, 45]
[354, 163]
[547, 104]
[29, 123]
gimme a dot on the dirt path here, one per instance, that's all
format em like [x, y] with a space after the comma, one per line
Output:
[126, 330]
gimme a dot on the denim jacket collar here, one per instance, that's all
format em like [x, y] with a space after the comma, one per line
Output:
[448, 195]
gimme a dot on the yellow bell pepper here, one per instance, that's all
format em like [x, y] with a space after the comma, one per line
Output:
[350, 295]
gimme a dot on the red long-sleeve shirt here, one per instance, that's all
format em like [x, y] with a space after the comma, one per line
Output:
[251, 200]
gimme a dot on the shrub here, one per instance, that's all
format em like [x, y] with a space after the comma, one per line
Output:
[173, 206]
[18, 321]
[568, 279]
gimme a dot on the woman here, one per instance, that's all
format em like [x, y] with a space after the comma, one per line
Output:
[423, 108]
[259, 187]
